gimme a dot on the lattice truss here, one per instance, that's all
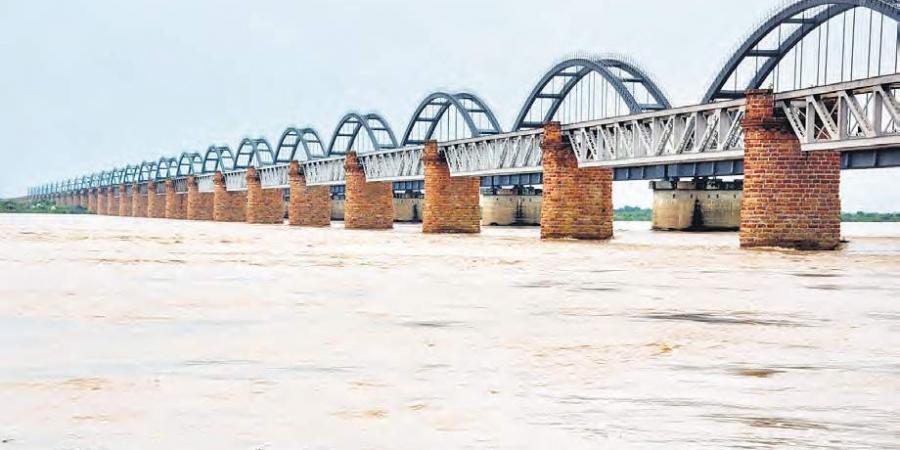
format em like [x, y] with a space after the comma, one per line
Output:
[328, 171]
[512, 152]
[861, 115]
[701, 132]
[205, 183]
[394, 165]
[274, 176]
[236, 180]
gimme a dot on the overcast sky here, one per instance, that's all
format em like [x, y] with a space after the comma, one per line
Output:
[92, 84]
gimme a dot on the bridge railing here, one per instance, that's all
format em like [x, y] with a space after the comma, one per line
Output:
[181, 186]
[205, 182]
[324, 172]
[403, 164]
[236, 180]
[855, 115]
[273, 177]
[495, 155]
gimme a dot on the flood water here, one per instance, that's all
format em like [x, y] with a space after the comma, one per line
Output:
[123, 333]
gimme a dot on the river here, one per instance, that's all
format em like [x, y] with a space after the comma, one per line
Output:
[123, 333]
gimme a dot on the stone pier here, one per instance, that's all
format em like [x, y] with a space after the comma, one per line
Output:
[697, 205]
[176, 203]
[112, 200]
[577, 202]
[156, 203]
[101, 201]
[451, 203]
[263, 205]
[199, 204]
[228, 206]
[519, 206]
[138, 201]
[369, 206]
[309, 206]
[791, 198]
[124, 201]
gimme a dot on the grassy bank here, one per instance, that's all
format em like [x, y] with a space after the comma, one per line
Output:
[10, 207]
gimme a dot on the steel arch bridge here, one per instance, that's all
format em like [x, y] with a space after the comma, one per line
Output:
[838, 57]
[803, 17]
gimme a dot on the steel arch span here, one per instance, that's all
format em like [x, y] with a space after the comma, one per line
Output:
[478, 118]
[256, 152]
[189, 163]
[623, 77]
[165, 168]
[306, 140]
[807, 16]
[346, 134]
[218, 158]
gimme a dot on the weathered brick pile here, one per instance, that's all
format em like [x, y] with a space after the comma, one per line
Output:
[577, 202]
[369, 206]
[138, 202]
[263, 205]
[199, 204]
[228, 206]
[791, 199]
[124, 201]
[100, 201]
[112, 201]
[451, 204]
[176, 204]
[309, 206]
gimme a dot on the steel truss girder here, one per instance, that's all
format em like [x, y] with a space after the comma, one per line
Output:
[394, 165]
[857, 115]
[495, 155]
[324, 172]
[273, 177]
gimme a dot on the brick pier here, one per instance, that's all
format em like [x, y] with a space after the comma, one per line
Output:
[124, 201]
[369, 206]
[791, 198]
[199, 204]
[263, 205]
[451, 203]
[227, 206]
[176, 204]
[309, 206]
[577, 202]
[138, 201]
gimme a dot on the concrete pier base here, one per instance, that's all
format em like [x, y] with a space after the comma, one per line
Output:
[518, 207]
[698, 205]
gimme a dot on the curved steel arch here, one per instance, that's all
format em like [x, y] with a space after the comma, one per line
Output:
[147, 171]
[295, 138]
[189, 163]
[129, 174]
[584, 67]
[444, 101]
[165, 168]
[218, 158]
[255, 152]
[359, 122]
[117, 176]
[833, 8]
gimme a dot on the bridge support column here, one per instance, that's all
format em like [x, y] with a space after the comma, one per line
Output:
[263, 205]
[155, 207]
[101, 201]
[309, 206]
[451, 203]
[112, 204]
[577, 202]
[199, 204]
[124, 202]
[791, 198]
[175, 202]
[138, 201]
[369, 206]
[92, 201]
[227, 206]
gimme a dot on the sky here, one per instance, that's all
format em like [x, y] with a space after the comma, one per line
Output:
[89, 85]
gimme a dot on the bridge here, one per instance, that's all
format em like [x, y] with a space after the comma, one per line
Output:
[809, 92]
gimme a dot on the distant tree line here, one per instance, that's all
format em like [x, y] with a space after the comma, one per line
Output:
[39, 207]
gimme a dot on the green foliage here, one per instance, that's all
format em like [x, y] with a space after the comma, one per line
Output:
[633, 214]
[39, 207]
[861, 216]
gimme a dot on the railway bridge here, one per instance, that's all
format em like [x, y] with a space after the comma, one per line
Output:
[809, 92]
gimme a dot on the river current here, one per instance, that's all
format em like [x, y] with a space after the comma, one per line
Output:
[123, 333]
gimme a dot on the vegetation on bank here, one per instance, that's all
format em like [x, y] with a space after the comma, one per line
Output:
[8, 206]
[861, 216]
[633, 214]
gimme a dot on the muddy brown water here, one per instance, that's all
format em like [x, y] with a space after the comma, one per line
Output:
[120, 333]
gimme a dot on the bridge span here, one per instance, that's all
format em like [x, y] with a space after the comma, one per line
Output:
[588, 122]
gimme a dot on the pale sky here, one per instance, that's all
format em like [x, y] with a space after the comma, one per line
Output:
[89, 85]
